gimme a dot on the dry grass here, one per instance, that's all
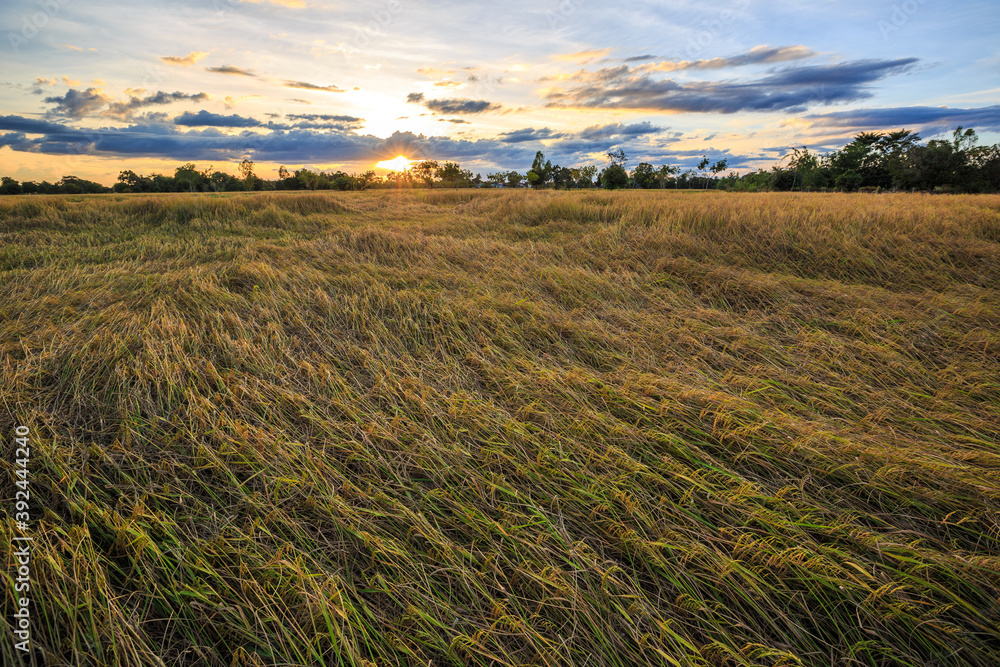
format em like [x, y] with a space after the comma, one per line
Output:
[495, 428]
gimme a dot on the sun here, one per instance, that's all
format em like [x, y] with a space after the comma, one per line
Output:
[398, 163]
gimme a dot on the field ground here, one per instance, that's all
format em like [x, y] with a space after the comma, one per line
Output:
[505, 428]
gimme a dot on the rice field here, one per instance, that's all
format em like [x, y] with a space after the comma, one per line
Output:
[436, 428]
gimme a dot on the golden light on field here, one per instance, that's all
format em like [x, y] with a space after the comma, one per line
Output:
[398, 163]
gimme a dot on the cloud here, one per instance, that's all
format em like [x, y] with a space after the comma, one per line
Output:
[292, 144]
[33, 126]
[39, 84]
[185, 61]
[529, 134]
[639, 59]
[70, 82]
[448, 84]
[325, 122]
[312, 86]
[457, 121]
[205, 119]
[755, 56]
[582, 57]
[595, 136]
[461, 106]
[792, 89]
[937, 118]
[618, 130]
[229, 69]
[576, 146]
[455, 106]
[434, 73]
[231, 101]
[124, 110]
[77, 104]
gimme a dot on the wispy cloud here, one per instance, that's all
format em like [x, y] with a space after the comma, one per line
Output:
[231, 101]
[582, 57]
[185, 61]
[755, 56]
[435, 73]
[312, 86]
[229, 69]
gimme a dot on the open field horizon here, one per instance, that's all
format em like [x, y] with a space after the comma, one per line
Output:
[466, 427]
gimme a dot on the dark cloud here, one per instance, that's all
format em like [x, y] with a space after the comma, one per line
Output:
[617, 130]
[938, 118]
[792, 89]
[595, 136]
[461, 106]
[32, 126]
[638, 59]
[314, 121]
[453, 106]
[529, 134]
[324, 117]
[124, 110]
[457, 121]
[229, 69]
[299, 144]
[291, 146]
[76, 104]
[312, 86]
[205, 119]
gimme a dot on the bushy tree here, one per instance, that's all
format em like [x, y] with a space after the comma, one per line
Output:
[644, 175]
[542, 169]
[8, 186]
[562, 177]
[614, 177]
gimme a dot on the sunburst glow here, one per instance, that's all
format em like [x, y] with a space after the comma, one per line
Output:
[398, 163]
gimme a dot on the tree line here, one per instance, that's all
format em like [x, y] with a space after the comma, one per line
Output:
[872, 161]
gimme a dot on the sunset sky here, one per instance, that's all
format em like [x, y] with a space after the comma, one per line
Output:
[92, 88]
